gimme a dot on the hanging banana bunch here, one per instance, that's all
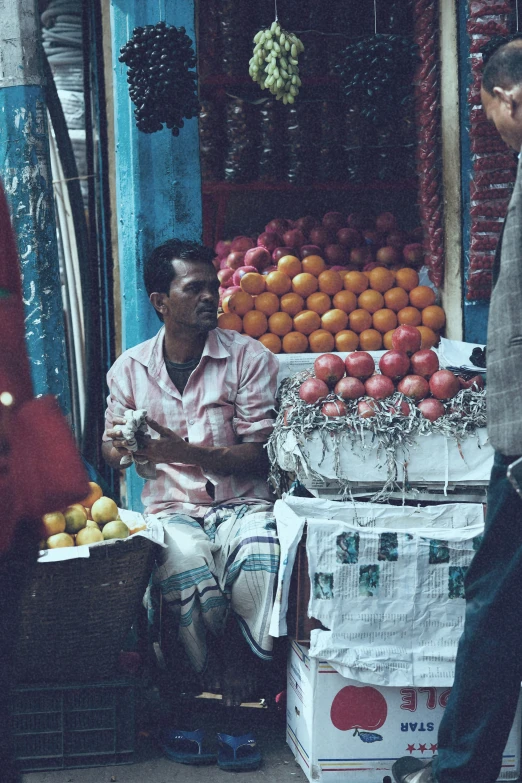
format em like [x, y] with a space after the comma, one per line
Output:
[274, 63]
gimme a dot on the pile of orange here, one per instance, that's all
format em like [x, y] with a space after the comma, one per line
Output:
[303, 306]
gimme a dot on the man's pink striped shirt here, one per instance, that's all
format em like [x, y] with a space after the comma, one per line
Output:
[229, 398]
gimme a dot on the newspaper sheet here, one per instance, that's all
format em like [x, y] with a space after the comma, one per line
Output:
[293, 512]
[391, 599]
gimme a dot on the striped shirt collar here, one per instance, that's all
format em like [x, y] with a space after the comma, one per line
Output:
[150, 353]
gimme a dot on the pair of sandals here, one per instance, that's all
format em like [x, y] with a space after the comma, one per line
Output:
[234, 754]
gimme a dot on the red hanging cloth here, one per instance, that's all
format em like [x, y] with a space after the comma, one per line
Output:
[40, 467]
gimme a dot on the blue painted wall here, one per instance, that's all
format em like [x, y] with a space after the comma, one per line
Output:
[158, 181]
[26, 173]
[475, 313]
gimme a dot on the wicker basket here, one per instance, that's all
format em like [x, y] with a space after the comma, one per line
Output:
[77, 613]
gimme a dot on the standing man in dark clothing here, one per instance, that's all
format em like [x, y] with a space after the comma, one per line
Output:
[488, 673]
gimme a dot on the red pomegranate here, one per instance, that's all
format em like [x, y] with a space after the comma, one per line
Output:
[476, 383]
[225, 276]
[349, 388]
[335, 255]
[360, 256]
[279, 252]
[414, 386]
[293, 238]
[222, 248]
[333, 221]
[259, 257]
[394, 364]
[313, 390]
[320, 236]
[444, 385]
[278, 226]
[431, 409]
[270, 240]
[329, 368]
[387, 256]
[425, 362]
[334, 408]
[349, 238]
[310, 250]
[242, 244]
[359, 364]
[235, 259]
[413, 254]
[379, 387]
[365, 409]
[406, 338]
[306, 224]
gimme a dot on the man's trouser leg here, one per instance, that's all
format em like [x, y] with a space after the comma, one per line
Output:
[185, 576]
[247, 563]
[483, 701]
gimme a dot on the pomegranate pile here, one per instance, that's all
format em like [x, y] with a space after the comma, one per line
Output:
[406, 395]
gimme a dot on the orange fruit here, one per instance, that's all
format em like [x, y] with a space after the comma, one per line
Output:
[429, 338]
[314, 265]
[253, 283]
[406, 278]
[370, 340]
[359, 320]
[357, 282]
[230, 321]
[395, 299]
[255, 323]
[434, 317]
[381, 279]
[280, 324]
[346, 341]
[278, 283]
[409, 315]
[387, 340]
[345, 300]
[267, 303]
[318, 302]
[384, 320]
[330, 282]
[307, 321]
[334, 321]
[422, 296]
[321, 341]
[95, 492]
[295, 342]
[240, 303]
[371, 300]
[290, 265]
[291, 303]
[271, 341]
[305, 284]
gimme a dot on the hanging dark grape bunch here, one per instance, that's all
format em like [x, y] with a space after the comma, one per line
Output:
[376, 75]
[161, 86]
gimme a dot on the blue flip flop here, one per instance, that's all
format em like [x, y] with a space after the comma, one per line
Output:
[186, 747]
[238, 754]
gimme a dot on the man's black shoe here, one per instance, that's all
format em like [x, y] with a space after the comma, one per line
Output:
[412, 770]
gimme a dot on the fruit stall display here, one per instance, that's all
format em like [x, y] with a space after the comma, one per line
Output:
[94, 519]
[404, 396]
[339, 284]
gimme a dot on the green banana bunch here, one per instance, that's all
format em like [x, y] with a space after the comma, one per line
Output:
[274, 64]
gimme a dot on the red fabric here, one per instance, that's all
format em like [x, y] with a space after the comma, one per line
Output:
[40, 468]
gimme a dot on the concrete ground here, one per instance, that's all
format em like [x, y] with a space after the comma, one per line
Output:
[151, 766]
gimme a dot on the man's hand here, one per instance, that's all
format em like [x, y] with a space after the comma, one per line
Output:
[118, 444]
[169, 447]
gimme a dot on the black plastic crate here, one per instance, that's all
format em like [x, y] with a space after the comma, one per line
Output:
[67, 726]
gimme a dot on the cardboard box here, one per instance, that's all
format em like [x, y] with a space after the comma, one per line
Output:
[355, 732]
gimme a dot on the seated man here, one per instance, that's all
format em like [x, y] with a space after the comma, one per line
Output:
[209, 394]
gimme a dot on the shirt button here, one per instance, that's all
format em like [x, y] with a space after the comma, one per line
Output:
[191, 421]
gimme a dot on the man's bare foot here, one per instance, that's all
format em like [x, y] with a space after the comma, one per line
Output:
[240, 673]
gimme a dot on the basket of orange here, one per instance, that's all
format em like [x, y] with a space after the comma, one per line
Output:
[304, 306]
[76, 613]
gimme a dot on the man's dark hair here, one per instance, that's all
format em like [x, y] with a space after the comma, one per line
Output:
[158, 272]
[502, 62]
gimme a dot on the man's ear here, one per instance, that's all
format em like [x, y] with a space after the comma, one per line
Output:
[157, 301]
[508, 98]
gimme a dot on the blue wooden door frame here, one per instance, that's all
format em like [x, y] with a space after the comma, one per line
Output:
[158, 181]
